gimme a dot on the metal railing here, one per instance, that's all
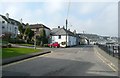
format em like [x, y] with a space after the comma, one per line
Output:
[113, 50]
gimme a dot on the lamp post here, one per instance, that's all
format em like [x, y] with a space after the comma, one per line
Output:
[34, 40]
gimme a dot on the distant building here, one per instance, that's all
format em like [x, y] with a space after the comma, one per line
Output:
[59, 35]
[84, 40]
[8, 25]
[77, 39]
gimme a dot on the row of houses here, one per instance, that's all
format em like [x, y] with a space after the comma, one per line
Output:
[9, 25]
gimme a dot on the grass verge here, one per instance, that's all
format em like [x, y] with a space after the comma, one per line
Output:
[13, 52]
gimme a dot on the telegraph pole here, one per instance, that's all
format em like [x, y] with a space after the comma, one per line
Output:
[67, 20]
[66, 31]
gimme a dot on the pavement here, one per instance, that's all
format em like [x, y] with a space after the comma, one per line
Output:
[108, 57]
[73, 61]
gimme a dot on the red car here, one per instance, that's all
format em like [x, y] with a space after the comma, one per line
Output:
[54, 45]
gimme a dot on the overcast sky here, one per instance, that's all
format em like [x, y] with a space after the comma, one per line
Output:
[93, 16]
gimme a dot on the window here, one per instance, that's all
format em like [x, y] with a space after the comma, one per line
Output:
[15, 28]
[59, 37]
[3, 21]
[15, 31]
[3, 27]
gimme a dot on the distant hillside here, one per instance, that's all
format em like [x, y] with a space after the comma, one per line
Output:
[95, 37]
[90, 36]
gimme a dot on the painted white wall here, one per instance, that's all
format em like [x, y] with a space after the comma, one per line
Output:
[56, 39]
[86, 42]
[3, 24]
[10, 28]
[0, 29]
[71, 40]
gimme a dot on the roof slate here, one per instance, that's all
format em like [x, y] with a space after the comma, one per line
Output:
[61, 31]
[11, 21]
[34, 26]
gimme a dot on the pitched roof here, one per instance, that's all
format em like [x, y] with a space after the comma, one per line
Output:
[34, 26]
[10, 20]
[61, 31]
[4, 18]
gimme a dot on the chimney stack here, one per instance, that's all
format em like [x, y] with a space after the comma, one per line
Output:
[7, 15]
[74, 31]
[21, 20]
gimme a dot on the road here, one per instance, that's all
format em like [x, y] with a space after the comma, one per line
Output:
[74, 61]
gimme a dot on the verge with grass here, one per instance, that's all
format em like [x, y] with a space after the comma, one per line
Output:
[13, 52]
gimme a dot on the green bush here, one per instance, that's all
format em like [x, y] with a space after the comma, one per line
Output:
[18, 41]
[63, 43]
[45, 45]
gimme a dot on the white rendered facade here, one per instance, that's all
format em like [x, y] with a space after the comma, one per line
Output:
[6, 27]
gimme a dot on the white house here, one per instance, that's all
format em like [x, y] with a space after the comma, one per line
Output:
[8, 25]
[59, 35]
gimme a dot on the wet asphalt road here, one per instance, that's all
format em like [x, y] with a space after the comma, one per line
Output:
[74, 61]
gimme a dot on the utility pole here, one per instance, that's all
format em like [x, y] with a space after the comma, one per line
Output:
[67, 20]
[66, 31]
[83, 32]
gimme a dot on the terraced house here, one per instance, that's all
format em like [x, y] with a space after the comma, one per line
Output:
[8, 25]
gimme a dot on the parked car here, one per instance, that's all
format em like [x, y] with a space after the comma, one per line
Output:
[54, 45]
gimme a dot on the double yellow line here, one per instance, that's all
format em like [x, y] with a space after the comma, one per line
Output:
[106, 61]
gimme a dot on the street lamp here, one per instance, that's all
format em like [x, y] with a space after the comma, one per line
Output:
[34, 40]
